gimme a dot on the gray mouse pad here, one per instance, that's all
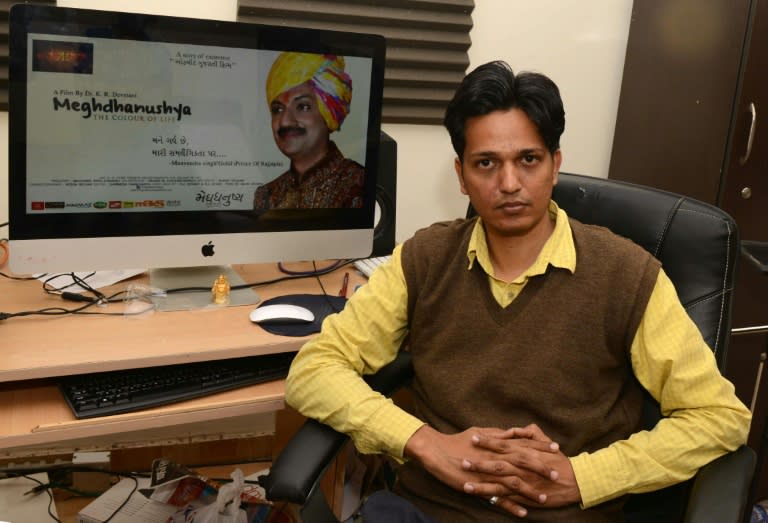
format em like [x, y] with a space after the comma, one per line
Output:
[321, 306]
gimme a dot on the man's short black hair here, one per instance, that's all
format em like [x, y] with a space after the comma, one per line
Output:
[495, 87]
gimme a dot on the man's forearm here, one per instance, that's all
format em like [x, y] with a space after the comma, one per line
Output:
[338, 397]
[650, 460]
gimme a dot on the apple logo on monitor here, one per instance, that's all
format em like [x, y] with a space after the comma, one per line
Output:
[207, 249]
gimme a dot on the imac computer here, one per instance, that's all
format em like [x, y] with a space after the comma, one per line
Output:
[142, 141]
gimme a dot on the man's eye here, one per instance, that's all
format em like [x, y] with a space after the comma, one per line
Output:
[276, 109]
[304, 107]
[485, 163]
[529, 159]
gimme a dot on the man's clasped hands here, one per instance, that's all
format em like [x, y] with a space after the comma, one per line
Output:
[514, 468]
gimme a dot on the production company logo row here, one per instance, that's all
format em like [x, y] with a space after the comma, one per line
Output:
[113, 204]
[215, 199]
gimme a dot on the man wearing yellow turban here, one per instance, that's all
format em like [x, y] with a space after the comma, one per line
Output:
[309, 96]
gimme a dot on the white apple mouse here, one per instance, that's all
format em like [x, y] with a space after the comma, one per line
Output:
[281, 314]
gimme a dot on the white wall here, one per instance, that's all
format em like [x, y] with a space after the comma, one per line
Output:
[579, 44]
[216, 9]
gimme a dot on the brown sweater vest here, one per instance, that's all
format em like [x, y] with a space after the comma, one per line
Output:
[558, 355]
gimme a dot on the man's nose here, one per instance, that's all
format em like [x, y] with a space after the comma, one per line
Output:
[509, 181]
[287, 118]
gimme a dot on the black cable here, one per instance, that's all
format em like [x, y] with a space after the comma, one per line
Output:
[316, 274]
[59, 485]
[325, 270]
[127, 499]
[61, 311]
[102, 299]
[4, 275]
[78, 281]
[66, 467]
[41, 486]
[291, 275]
[325, 293]
[48, 487]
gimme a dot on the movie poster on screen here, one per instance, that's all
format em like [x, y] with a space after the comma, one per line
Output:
[131, 125]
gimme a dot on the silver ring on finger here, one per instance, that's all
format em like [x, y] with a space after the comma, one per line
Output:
[493, 500]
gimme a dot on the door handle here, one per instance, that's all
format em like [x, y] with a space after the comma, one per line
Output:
[751, 137]
[755, 391]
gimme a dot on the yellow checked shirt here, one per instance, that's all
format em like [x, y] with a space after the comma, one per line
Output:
[703, 417]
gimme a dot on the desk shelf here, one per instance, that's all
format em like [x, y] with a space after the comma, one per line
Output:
[37, 420]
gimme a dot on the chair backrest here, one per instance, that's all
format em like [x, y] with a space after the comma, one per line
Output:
[697, 243]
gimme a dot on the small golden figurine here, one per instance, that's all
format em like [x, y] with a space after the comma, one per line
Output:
[220, 290]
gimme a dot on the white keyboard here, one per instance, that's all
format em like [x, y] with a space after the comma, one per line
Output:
[368, 265]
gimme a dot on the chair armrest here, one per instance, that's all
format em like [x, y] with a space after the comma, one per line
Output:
[302, 462]
[721, 488]
[296, 471]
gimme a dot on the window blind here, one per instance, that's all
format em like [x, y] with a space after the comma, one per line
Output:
[427, 44]
[5, 8]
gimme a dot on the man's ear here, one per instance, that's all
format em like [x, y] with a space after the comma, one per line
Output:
[558, 160]
[459, 174]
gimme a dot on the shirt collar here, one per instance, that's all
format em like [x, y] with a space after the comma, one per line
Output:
[558, 251]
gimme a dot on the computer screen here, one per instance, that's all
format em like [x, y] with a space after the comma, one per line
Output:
[142, 141]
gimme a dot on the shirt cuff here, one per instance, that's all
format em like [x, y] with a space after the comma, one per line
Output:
[597, 476]
[391, 430]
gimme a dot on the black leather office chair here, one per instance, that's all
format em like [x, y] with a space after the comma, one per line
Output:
[698, 246]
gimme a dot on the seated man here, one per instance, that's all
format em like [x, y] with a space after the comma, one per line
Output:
[533, 336]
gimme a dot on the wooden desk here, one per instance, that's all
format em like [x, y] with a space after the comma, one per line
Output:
[35, 418]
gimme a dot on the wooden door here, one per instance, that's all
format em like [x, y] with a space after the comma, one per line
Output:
[745, 188]
[676, 103]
